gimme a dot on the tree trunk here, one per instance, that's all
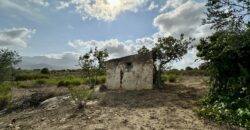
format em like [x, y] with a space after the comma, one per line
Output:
[158, 77]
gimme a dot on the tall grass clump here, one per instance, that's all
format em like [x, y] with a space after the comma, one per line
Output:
[172, 78]
[5, 95]
[80, 95]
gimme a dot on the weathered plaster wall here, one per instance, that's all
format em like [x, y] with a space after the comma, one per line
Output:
[136, 71]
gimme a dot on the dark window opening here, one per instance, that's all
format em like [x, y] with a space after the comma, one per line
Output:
[129, 65]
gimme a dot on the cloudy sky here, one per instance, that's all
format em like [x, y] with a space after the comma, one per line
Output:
[64, 29]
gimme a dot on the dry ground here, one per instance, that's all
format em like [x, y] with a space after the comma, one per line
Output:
[170, 108]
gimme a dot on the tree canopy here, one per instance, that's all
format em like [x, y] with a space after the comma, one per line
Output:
[8, 59]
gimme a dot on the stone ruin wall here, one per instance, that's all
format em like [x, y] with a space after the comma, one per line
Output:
[130, 73]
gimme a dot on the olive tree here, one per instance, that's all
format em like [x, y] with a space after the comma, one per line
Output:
[166, 50]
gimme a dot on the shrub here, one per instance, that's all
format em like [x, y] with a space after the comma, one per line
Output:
[100, 80]
[172, 78]
[80, 94]
[5, 96]
[67, 83]
[225, 111]
[164, 78]
[45, 71]
[169, 77]
[60, 84]
[40, 81]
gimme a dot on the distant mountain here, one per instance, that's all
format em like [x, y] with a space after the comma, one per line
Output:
[39, 62]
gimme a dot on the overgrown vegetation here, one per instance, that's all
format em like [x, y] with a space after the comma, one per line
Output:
[226, 54]
[5, 95]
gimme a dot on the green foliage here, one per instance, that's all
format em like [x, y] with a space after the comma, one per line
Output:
[172, 78]
[70, 82]
[189, 68]
[40, 81]
[100, 56]
[80, 94]
[226, 54]
[30, 76]
[92, 65]
[143, 50]
[8, 59]
[225, 111]
[228, 66]
[5, 95]
[227, 14]
[168, 49]
[45, 71]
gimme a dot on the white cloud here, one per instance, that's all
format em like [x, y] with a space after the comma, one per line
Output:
[172, 4]
[115, 47]
[62, 5]
[16, 37]
[106, 10]
[152, 6]
[190, 59]
[44, 3]
[185, 18]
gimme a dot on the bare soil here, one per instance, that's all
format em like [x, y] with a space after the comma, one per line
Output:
[169, 108]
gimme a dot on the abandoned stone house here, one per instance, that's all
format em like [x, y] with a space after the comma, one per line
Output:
[133, 72]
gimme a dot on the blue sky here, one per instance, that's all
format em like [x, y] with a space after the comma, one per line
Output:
[68, 28]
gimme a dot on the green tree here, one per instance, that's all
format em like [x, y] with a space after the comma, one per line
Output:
[45, 71]
[101, 56]
[86, 62]
[92, 63]
[227, 14]
[166, 50]
[8, 60]
[143, 50]
[189, 68]
[226, 54]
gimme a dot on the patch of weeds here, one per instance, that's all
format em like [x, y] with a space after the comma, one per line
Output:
[225, 111]
[67, 83]
[41, 82]
[80, 95]
[5, 95]
[172, 78]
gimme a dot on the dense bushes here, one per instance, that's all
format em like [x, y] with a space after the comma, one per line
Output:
[227, 56]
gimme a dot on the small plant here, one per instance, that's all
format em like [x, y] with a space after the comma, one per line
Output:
[80, 95]
[172, 78]
[164, 78]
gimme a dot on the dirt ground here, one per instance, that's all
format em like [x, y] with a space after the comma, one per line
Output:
[169, 108]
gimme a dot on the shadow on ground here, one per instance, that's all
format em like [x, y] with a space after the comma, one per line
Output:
[171, 95]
